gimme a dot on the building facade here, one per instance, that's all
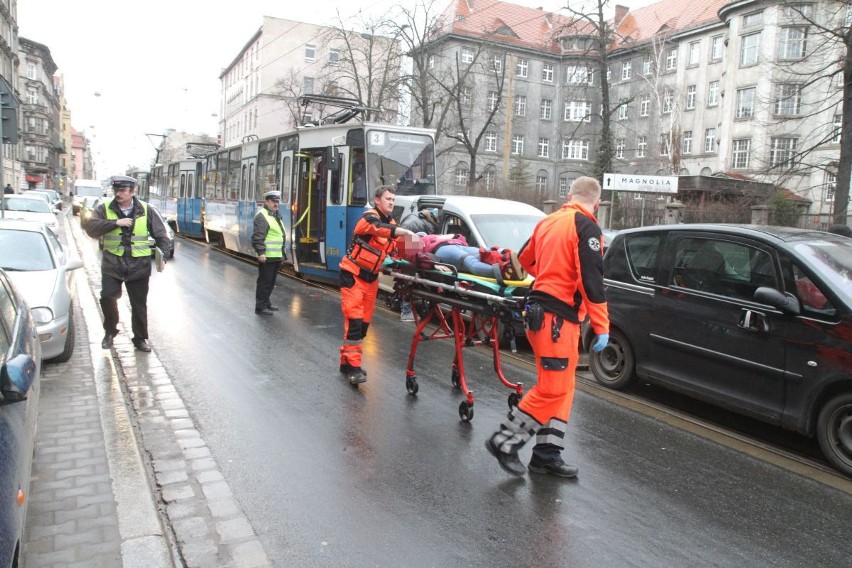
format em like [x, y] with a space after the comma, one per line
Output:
[748, 87]
[10, 168]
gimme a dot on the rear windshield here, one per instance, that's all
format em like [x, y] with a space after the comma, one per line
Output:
[89, 191]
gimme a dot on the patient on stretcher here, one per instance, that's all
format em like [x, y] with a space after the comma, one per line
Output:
[453, 249]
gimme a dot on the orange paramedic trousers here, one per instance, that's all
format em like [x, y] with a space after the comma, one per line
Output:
[357, 302]
[545, 408]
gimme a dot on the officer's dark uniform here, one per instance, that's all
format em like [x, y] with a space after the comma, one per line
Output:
[267, 238]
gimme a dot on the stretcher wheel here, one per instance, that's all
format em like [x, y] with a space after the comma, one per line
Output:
[466, 411]
[514, 399]
[411, 385]
[455, 378]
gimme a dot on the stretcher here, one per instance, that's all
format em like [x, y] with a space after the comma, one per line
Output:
[470, 310]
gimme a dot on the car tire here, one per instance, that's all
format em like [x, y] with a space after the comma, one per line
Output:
[614, 366]
[834, 431]
[69, 342]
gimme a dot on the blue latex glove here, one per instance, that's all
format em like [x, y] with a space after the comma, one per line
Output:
[600, 342]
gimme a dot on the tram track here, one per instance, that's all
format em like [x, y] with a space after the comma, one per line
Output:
[773, 452]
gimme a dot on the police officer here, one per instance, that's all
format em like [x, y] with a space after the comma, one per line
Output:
[124, 225]
[372, 240]
[564, 254]
[268, 242]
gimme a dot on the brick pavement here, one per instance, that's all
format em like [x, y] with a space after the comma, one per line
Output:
[95, 500]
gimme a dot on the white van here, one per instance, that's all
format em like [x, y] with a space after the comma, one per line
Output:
[87, 194]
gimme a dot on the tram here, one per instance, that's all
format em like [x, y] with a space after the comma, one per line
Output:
[326, 173]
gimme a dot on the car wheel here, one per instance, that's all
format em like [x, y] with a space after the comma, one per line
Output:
[614, 366]
[172, 252]
[69, 342]
[834, 431]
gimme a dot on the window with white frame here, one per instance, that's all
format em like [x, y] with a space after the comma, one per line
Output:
[32, 96]
[665, 145]
[333, 57]
[741, 153]
[753, 19]
[788, 99]
[690, 96]
[792, 45]
[622, 109]
[647, 65]
[520, 105]
[579, 74]
[644, 105]
[641, 146]
[490, 179]
[431, 61]
[694, 54]
[668, 101]
[671, 59]
[545, 110]
[490, 142]
[543, 148]
[837, 128]
[577, 111]
[461, 175]
[31, 71]
[547, 73]
[749, 49]
[713, 94]
[540, 184]
[745, 102]
[782, 153]
[717, 48]
[310, 52]
[710, 141]
[575, 149]
[493, 100]
[626, 69]
[497, 63]
[619, 148]
[465, 94]
[308, 85]
[564, 184]
[830, 187]
[686, 142]
[796, 10]
[522, 68]
[467, 55]
[518, 144]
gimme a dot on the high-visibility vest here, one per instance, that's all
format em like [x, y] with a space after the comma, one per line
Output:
[274, 240]
[139, 245]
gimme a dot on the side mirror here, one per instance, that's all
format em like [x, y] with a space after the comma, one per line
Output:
[17, 377]
[74, 264]
[787, 303]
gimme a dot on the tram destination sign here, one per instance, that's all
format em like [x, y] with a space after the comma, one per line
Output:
[644, 184]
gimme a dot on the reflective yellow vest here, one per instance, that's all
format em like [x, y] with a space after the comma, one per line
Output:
[274, 240]
[139, 245]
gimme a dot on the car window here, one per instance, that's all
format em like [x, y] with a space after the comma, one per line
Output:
[456, 226]
[24, 250]
[811, 298]
[26, 204]
[726, 268]
[8, 313]
[642, 253]
[508, 231]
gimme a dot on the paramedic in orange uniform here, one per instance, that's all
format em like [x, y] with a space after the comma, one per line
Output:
[372, 240]
[565, 256]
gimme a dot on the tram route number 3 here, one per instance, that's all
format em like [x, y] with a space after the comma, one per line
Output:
[377, 138]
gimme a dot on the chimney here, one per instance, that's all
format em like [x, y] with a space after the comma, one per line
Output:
[620, 13]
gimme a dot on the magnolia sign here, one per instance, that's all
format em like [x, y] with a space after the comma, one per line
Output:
[645, 184]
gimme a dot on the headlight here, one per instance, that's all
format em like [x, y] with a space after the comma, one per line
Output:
[42, 315]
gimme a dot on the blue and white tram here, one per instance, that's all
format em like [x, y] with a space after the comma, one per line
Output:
[185, 184]
[326, 175]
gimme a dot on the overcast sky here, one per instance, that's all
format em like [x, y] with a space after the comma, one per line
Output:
[139, 67]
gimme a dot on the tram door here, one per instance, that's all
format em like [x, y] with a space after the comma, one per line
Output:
[309, 211]
[189, 200]
[336, 231]
[249, 202]
[288, 199]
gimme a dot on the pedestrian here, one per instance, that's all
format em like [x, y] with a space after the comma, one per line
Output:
[8, 189]
[124, 226]
[564, 256]
[268, 242]
[373, 239]
[840, 229]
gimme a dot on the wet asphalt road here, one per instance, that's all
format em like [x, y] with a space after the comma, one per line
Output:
[334, 476]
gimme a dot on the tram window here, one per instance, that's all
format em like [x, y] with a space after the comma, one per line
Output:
[286, 177]
[244, 183]
[252, 192]
[182, 185]
[190, 186]
[336, 194]
[358, 188]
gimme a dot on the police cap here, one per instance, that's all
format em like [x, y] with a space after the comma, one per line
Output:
[276, 195]
[123, 182]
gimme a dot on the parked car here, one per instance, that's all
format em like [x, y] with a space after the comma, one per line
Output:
[29, 208]
[87, 194]
[754, 319]
[40, 267]
[20, 387]
[55, 197]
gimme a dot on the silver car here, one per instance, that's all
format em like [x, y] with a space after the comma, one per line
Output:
[40, 267]
[29, 208]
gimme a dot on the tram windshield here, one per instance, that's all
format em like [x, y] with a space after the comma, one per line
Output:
[403, 160]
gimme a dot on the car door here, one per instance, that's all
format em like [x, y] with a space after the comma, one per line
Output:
[707, 336]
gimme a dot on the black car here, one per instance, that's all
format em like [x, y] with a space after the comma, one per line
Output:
[755, 319]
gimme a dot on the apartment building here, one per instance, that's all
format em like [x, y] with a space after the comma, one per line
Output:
[40, 115]
[10, 165]
[748, 88]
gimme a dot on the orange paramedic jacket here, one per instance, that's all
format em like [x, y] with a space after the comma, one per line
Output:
[564, 255]
[372, 241]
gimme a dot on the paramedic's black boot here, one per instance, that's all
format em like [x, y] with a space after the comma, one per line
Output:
[509, 462]
[357, 376]
[554, 466]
